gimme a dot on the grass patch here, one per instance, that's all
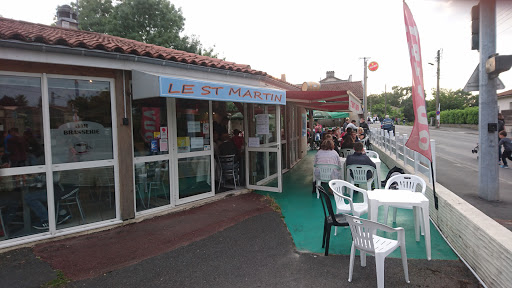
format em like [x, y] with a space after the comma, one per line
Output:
[273, 204]
[60, 281]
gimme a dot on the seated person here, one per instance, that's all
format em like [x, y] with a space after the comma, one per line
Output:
[335, 141]
[35, 200]
[327, 155]
[227, 146]
[348, 141]
[238, 139]
[359, 158]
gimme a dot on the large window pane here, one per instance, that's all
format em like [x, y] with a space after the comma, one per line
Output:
[84, 196]
[80, 120]
[21, 122]
[152, 184]
[23, 207]
[194, 176]
[193, 125]
[149, 118]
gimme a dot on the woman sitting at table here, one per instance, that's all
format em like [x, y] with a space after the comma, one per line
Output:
[327, 155]
[348, 141]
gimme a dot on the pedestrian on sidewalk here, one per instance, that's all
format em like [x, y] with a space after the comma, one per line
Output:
[501, 127]
[507, 148]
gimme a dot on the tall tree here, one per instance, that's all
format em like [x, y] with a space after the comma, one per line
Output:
[155, 22]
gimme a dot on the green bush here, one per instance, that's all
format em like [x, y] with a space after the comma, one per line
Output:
[466, 116]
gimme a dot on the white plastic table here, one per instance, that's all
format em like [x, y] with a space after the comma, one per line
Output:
[386, 197]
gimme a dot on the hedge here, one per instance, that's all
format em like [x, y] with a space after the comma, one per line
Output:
[466, 116]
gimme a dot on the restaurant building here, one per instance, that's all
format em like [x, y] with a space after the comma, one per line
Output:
[97, 129]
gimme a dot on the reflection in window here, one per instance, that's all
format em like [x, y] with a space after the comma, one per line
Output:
[149, 117]
[21, 122]
[23, 207]
[80, 120]
[84, 196]
[152, 184]
[194, 175]
[193, 125]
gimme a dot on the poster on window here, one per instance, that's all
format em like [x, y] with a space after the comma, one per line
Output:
[262, 124]
[150, 122]
[196, 142]
[194, 126]
[183, 144]
[304, 125]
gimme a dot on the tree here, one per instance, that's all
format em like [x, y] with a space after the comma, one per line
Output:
[155, 22]
[451, 100]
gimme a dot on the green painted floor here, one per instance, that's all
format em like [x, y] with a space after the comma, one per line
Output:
[302, 213]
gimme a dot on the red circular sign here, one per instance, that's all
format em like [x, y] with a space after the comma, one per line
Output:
[373, 66]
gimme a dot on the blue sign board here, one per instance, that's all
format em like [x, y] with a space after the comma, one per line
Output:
[202, 90]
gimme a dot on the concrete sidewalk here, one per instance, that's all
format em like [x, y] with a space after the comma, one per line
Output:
[234, 242]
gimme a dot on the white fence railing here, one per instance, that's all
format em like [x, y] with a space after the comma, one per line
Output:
[395, 147]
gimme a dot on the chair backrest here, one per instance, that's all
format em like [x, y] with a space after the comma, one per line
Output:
[346, 151]
[407, 182]
[359, 173]
[342, 201]
[326, 202]
[372, 154]
[326, 171]
[362, 233]
[227, 163]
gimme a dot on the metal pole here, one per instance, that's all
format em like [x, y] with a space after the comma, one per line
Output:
[365, 109]
[488, 176]
[437, 93]
[386, 101]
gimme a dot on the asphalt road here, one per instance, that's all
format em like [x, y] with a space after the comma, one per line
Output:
[457, 169]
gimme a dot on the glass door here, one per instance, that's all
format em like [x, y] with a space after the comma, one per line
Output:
[263, 147]
[193, 150]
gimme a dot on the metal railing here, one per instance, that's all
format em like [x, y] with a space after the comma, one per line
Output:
[394, 146]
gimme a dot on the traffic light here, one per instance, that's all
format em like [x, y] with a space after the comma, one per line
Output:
[497, 64]
[475, 27]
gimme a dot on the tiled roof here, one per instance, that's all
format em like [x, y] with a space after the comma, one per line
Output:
[53, 35]
[505, 94]
[354, 87]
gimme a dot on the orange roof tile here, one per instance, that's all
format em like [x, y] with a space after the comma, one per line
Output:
[53, 35]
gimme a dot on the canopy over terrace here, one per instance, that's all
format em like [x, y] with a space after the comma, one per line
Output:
[341, 101]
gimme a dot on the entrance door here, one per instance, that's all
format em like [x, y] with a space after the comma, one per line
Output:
[263, 147]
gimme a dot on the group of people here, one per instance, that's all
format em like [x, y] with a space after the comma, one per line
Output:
[333, 140]
[20, 150]
[343, 137]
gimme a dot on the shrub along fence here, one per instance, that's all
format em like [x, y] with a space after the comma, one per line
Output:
[465, 116]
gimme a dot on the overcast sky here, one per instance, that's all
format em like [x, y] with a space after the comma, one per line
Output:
[304, 39]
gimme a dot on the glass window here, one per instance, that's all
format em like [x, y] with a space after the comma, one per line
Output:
[23, 207]
[152, 184]
[80, 120]
[194, 176]
[21, 122]
[84, 196]
[193, 125]
[149, 117]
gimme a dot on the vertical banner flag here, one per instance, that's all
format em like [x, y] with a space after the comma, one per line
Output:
[419, 140]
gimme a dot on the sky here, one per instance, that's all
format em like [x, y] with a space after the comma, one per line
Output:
[304, 39]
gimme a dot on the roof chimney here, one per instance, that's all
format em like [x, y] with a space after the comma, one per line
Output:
[67, 17]
[350, 78]
[283, 77]
[330, 74]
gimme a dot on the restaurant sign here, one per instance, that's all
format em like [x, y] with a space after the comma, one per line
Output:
[203, 90]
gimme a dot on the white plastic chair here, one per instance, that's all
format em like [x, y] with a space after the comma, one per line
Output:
[372, 154]
[406, 182]
[326, 174]
[364, 239]
[356, 209]
[358, 175]
[346, 151]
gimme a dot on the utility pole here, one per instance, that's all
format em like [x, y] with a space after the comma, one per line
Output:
[365, 109]
[488, 174]
[438, 112]
[385, 101]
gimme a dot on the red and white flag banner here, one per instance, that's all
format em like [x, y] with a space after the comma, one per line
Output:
[419, 140]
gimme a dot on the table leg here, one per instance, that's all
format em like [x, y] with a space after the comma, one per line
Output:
[426, 222]
[373, 211]
[416, 223]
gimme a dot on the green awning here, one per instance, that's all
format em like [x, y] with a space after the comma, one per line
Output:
[337, 115]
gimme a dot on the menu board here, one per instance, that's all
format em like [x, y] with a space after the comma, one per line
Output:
[262, 124]
[194, 126]
[196, 142]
